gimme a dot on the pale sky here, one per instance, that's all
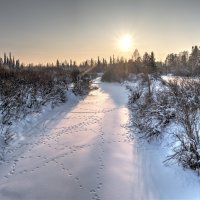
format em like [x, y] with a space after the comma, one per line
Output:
[40, 31]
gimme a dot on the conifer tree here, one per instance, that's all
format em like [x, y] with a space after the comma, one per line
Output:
[152, 62]
[5, 59]
[1, 62]
[111, 62]
[57, 63]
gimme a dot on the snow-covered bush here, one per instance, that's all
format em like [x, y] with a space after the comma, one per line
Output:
[81, 83]
[25, 90]
[186, 96]
[152, 110]
[176, 101]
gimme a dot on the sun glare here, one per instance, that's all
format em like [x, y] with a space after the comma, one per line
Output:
[126, 42]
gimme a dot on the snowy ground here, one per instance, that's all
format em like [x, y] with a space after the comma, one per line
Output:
[84, 151]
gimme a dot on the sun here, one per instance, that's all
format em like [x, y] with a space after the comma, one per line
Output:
[126, 42]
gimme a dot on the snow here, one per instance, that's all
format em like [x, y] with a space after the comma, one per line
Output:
[179, 79]
[22, 128]
[82, 150]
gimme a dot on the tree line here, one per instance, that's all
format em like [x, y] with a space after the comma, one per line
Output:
[183, 63]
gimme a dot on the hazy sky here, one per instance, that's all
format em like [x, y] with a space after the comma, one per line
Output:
[44, 30]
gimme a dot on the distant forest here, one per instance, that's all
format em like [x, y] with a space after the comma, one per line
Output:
[116, 68]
